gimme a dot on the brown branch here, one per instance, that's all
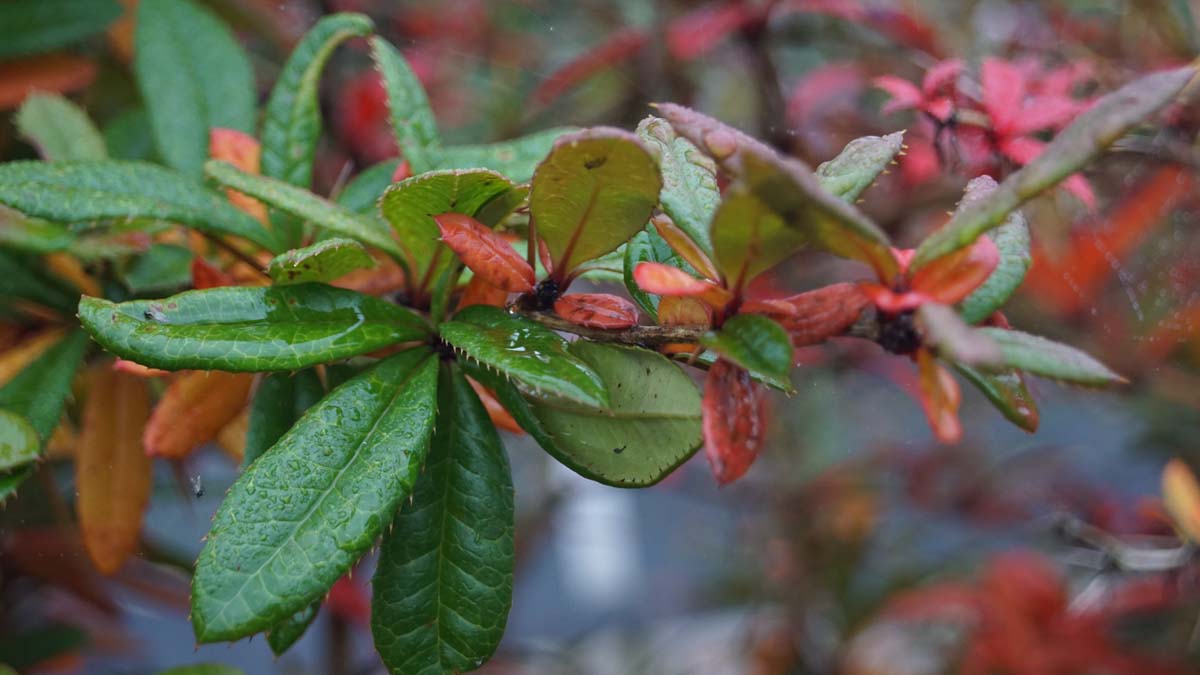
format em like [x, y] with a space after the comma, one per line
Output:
[645, 336]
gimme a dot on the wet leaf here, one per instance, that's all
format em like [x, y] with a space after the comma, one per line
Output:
[734, 421]
[665, 280]
[112, 473]
[285, 634]
[597, 310]
[206, 275]
[40, 390]
[280, 400]
[480, 292]
[757, 344]
[858, 165]
[409, 114]
[534, 356]
[487, 254]
[19, 442]
[249, 329]
[646, 246]
[1006, 390]
[443, 586]
[35, 26]
[362, 193]
[749, 239]
[690, 194]
[1181, 496]
[952, 339]
[58, 128]
[1012, 242]
[163, 268]
[193, 410]
[1053, 360]
[950, 279]
[516, 158]
[325, 260]
[309, 507]
[940, 398]
[815, 316]
[684, 247]
[593, 192]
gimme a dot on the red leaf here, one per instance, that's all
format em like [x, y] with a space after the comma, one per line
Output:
[951, 278]
[940, 396]
[132, 368]
[486, 253]
[683, 245]
[348, 600]
[1003, 94]
[206, 275]
[734, 421]
[597, 310]
[666, 280]
[1046, 112]
[58, 73]
[617, 48]
[403, 170]
[498, 414]
[814, 317]
[699, 32]
[193, 409]
[480, 292]
[243, 151]
[905, 95]
[941, 77]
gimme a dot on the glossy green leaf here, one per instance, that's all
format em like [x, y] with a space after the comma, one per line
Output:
[788, 187]
[32, 235]
[308, 508]
[363, 192]
[409, 113]
[162, 269]
[757, 344]
[304, 204]
[40, 390]
[858, 165]
[1012, 240]
[516, 158]
[690, 193]
[36, 26]
[593, 192]
[535, 356]
[23, 279]
[58, 128]
[1006, 390]
[750, 238]
[952, 339]
[285, 634]
[193, 76]
[280, 400]
[1105, 121]
[19, 442]
[127, 135]
[119, 190]
[443, 586]
[1054, 360]
[325, 260]
[249, 328]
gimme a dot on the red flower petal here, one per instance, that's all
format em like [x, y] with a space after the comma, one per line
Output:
[486, 253]
[597, 310]
[734, 421]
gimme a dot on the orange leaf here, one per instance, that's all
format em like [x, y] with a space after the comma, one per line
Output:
[56, 73]
[232, 437]
[243, 151]
[69, 268]
[486, 253]
[1181, 496]
[120, 33]
[195, 406]
[386, 277]
[597, 310]
[112, 473]
[683, 245]
[14, 359]
[951, 278]
[734, 421]
[666, 280]
[814, 317]
[683, 311]
[940, 397]
[132, 368]
[480, 292]
[206, 275]
[500, 417]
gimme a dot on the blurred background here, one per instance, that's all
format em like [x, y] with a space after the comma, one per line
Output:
[856, 544]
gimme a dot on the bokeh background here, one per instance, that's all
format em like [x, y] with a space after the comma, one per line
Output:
[856, 544]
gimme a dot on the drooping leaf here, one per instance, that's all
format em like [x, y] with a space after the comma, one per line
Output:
[940, 398]
[59, 129]
[858, 165]
[41, 389]
[249, 329]
[515, 159]
[325, 260]
[118, 190]
[363, 192]
[112, 474]
[280, 400]
[19, 442]
[593, 192]
[163, 268]
[814, 316]
[193, 410]
[734, 421]
[36, 26]
[952, 339]
[1006, 390]
[757, 344]
[193, 77]
[685, 247]
[597, 310]
[787, 187]
[1012, 242]
[304, 511]
[443, 586]
[304, 204]
[1053, 360]
[749, 238]
[690, 194]
[486, 253]
[285, 634]
[409, 113]
[1102, 124]
[32, 235]
[534, 356]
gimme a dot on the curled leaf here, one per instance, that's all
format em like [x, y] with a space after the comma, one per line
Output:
[193, 409]
[940, 397]
[667, 280]
[486, 253]
[734, 421]
[597, 310]
[685, 247]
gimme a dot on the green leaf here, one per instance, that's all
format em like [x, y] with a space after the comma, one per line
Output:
[306, 510]
[40, 390]
[1006, 390]
[750, 238]
[249, 328]
[362, 194]
[11, 482]
[193, 76]
[128, 136]
[58, 128]
[443, 587]
[788, 187]
[19, 442]
[690, 194]
[1039, 356]
[411, 204]
[32, 235]
[1012, 240]
[952, 339]
[36, 26]
[858, 165]
[24, 280]
[757, 344]
[304, 204]
[161, 269]
[536, 357]
[119, 190]
[1105, 121]
[280, 400]
[325, 260]
[408, 109]
[202, 669]
[285, 634]
[516, 158]
[593, 192]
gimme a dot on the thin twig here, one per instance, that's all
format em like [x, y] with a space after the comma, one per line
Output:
[233, 251]
[1125, 555]
[646, 336]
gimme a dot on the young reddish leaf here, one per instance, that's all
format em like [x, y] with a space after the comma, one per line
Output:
[597, 310]
[1181, 496]
[498, 414]
[403, 171]
[734, 421]
[679, 310]
[700, 31]
[57, 73]
[195, 406]
[70, 268]
[243, 151]
[951, 278]
[480, 292]
[683, 245]
[666, 280]
[1003, 93]
[618, 47]
[232, 437]
[940, 397]
[814, 317]
[207, 275]
[137, 369]
[486, 253]
[112, 472]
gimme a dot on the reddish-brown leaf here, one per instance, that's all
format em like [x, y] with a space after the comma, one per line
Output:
[486, 253]
[683, 245]
[243, 151]
[814, 317]
[70, 268]
[196, 405]
[207, 275]
[666, 280]
[940, 397]
[618, 47]
[683, 311]
[480, 292]
[137, 369]
[951, 278]
[734, 421]
[499, 416]
[403, 170]
[1181, 496]
[112, 472]
[57, 73]
[597, 310]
